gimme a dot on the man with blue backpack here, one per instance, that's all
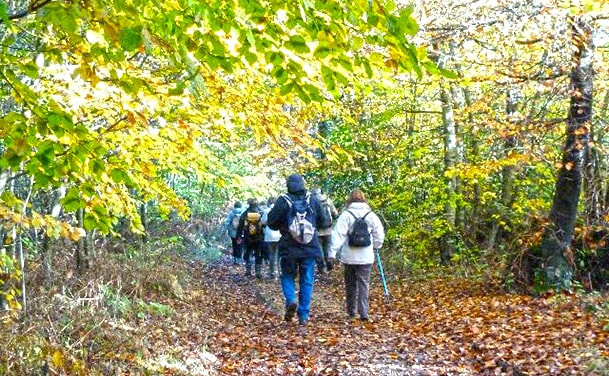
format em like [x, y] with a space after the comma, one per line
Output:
[296, 216]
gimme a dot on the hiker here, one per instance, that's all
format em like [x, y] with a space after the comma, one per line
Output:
[271, 240]
[262, 206]
[328, 214]
[357, 241]
[298, 247]
[231, 224]
[250, 230]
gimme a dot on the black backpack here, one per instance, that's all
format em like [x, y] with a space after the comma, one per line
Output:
[325, 216]
[359, 235]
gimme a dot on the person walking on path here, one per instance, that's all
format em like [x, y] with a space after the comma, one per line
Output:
[231, 224]
[298, 253]
[262, 207]
[325, 234]
[250, 230]
[357, 259]
[271, 240]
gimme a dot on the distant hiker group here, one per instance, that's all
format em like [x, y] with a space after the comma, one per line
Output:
[252, 240]
[301, 231]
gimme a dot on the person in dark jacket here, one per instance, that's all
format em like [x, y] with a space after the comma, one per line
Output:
[325, 234]
[295, 258]
[231, 224]
[252, 241]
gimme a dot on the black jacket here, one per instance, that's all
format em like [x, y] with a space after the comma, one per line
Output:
[241, 231]
[278, 220]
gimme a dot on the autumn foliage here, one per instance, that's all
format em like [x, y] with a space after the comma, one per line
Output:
[168, 311]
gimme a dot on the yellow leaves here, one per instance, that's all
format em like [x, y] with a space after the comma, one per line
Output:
[70, 232]
[57, 358]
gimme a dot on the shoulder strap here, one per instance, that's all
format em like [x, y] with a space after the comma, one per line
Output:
[289, 201]
[356, 217]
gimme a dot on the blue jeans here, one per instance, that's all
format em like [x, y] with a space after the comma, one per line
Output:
[305, 268]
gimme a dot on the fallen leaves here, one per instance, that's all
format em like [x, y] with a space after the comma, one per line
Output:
[228, 324]
[450, 326]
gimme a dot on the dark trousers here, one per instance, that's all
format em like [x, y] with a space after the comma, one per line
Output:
[325, 241]
[237, 248]
[357, 286]
[255, 249]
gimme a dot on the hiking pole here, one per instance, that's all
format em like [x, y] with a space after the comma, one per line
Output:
[378, 259]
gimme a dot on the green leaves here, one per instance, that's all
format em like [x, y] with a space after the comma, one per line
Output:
[432, 68]
[298, 44]
[4, 14]
[72, 200]
[131, 38]
[147, 81]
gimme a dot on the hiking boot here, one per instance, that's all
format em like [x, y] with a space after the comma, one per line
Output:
[258, 271]
[290, 312]
[302, 321]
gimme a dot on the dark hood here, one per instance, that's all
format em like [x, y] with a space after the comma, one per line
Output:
[296, 184]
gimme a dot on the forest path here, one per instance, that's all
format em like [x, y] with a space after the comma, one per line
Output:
[246, 330]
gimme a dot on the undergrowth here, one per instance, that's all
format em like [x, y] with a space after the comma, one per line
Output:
[75, 324]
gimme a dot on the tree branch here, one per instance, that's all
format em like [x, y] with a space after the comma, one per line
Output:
[31, 9]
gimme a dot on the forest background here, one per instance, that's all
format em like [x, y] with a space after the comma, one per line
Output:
[478, 131]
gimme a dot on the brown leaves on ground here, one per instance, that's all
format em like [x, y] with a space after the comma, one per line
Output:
[222, 322]
[433, 327]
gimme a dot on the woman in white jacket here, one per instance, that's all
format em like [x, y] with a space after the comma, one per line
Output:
[357, 261]
[271, 240]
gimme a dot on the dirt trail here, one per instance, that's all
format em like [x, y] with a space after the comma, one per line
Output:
[243, 318]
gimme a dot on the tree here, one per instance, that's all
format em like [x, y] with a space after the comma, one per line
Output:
[556, 245]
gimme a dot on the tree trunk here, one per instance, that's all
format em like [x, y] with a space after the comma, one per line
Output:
[448, 245]
[144, 219]
[508, 171]
[82, 261]
[474, 220]
[595, 178]
[458, 102]
[556, 250]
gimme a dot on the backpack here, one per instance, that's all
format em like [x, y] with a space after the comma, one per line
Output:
[235, 221]
[325, 216]
[359, 236]
[301, 219]
[253, 226]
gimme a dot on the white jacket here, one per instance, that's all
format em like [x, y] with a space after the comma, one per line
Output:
[356, 256]
[269, 235]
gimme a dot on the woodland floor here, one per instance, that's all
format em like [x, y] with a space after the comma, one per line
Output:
[433, 327]
[223, 323]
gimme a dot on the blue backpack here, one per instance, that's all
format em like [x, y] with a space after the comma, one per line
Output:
[301, 221]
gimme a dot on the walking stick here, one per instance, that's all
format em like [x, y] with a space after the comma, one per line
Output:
[378, 259]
